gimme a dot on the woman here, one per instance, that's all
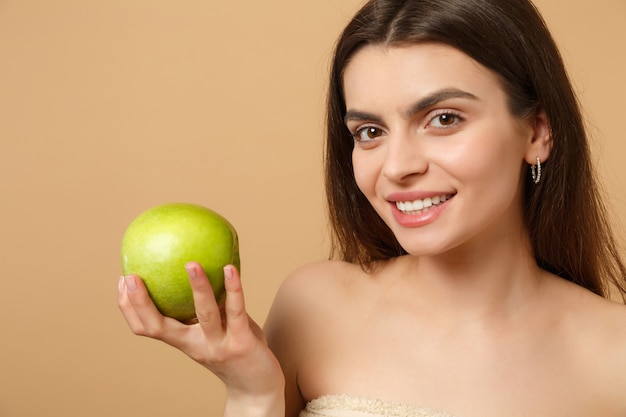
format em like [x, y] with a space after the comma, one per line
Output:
[474, 258]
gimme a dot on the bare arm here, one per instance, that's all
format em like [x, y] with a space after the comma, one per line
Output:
[289, 326]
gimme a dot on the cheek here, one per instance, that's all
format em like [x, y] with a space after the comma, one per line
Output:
[489, 160]
[363, 174]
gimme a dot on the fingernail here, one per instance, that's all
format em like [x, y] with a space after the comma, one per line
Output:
[120, 285]
[191, 270]
[130, 283]
[228, 272]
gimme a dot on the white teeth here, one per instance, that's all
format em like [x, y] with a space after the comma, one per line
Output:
[417, 205]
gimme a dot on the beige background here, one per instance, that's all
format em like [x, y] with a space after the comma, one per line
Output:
[108, 107]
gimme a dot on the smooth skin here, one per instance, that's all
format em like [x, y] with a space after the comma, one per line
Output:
[466, 323]
[224, 340]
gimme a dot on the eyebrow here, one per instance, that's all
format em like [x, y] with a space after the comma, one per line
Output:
[426, 102]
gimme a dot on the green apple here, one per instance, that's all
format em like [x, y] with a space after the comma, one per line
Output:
[160, 241]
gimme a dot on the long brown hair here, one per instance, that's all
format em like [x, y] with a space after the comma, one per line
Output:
[565, 216]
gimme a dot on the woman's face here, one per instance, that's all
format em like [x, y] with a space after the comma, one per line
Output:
[437, 153]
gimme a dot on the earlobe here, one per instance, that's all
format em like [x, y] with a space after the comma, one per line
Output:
[540, 144]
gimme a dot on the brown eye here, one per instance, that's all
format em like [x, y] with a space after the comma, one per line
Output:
[447, 119]
[367, 133]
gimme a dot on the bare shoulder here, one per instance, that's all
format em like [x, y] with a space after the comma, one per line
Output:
[597, 316]
[606, 329]
[592, 318]
[304, 309]
[595, 329]
[307, 297]
[318, 276]
[312, 286]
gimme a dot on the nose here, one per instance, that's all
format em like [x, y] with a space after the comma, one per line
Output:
[405, 157]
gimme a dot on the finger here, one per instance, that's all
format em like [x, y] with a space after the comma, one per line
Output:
[127, 309]
[234, 306]
[207, 311]
[151, 319]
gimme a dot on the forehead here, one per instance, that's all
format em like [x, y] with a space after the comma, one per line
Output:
[408, 72]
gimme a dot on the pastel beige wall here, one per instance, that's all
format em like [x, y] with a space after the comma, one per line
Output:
[110, 107]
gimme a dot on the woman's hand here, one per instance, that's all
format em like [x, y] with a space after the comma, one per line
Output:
[225, 339]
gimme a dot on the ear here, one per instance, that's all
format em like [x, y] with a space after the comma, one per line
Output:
[540, 144]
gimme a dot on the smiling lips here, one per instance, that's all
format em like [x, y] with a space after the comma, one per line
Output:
[422, 205]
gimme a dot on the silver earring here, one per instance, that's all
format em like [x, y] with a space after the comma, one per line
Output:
[535, 171]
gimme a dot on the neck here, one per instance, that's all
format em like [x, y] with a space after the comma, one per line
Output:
[479, 281]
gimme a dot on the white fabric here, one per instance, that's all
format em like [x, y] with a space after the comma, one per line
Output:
[349, 406]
